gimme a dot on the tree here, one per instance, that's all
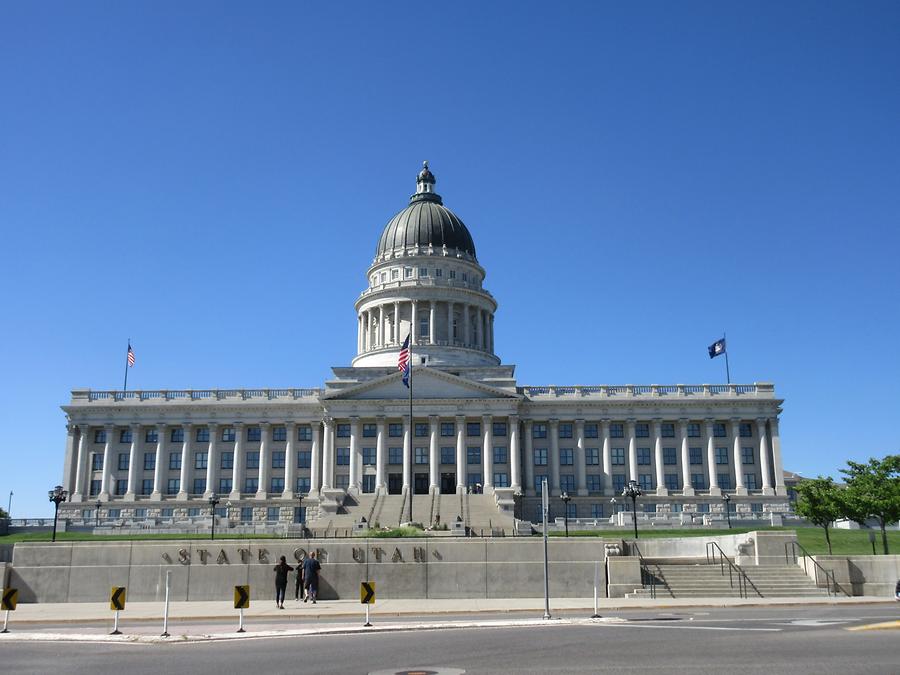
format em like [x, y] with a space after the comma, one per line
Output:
[3, 514]
[873, 491]
[820, 501]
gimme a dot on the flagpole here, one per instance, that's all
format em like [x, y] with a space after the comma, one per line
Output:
[727, 369]
[125, 386]
[411, 430]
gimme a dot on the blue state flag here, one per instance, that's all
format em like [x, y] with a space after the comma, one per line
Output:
[717, 348]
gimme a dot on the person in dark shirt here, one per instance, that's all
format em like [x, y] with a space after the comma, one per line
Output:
[281, 577]
[311, 569]
[298, 585]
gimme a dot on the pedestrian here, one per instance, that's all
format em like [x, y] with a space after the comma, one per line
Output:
[281, 578]
[298, 586]
[311, 569]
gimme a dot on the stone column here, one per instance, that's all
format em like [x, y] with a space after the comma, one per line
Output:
[686, 488]
[328, 454]
[70, 467]
[161, 430]
[413, 329]
[764, 457]
[580, 461]
[607, 459]
[554, 458]
[370, 332]
[431, 316]
[661, 489]
[81, 467]
[396, 323]
[238, 461]
[381, 331]
[491, 333]
[466, 333]
[380, 486]
[776, 458]
[407, 453]
[434, 464]
[449, 323]
[133, 462]
[359, 333]
[315, 461]
[460, 453]
[265, 461]
[482, 340]
[185, 462]
[290, 462]
[632, 451]
[212, 461]
[739, 488]
[711, 459]
[487, 458]
[515, 458]
[106, 475]
[355, 483]
[529, 457]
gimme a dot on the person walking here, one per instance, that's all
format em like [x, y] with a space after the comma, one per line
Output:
[281, 578]
[298, 586]
[311, 569]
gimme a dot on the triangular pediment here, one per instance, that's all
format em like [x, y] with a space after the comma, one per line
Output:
[427, 384]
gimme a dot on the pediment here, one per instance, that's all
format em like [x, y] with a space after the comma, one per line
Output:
[427, 384]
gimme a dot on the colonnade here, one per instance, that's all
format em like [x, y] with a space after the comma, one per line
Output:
[378, 326]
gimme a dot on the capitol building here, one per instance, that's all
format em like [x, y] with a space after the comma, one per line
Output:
[477, 446]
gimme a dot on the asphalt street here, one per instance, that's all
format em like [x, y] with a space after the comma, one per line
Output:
[814, 639]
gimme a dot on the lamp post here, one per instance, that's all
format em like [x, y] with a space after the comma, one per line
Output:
[213, 502]
[299, 496]
[97, 513]
[9, 506]
[633, 490]
[727, 500]
[566, 499]
[57, 495]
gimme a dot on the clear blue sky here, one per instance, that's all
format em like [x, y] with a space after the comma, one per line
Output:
[210, 179]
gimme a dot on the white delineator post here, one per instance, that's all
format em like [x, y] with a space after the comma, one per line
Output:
[545, 506]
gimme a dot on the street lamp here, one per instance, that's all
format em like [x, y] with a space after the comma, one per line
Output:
[633, 490]
[97, 514]
[566, 499]
[299, 496]
[213, 502]
[727, 500]
[57, 495]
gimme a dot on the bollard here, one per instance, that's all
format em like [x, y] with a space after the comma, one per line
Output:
[115, 630]
[5, 623]
[596, 614]
[165, 632]
[240, 620]
[367, 624]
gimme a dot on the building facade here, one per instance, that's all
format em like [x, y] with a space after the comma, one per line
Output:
[271, 454]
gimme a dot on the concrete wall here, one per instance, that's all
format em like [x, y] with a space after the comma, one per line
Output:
[407, 568]
[874, 575]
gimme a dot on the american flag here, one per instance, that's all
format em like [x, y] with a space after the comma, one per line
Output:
[403, 361]
[130, 357]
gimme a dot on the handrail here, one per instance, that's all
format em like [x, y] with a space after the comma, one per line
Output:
[742, 578]
[645, 571]
[829, 574]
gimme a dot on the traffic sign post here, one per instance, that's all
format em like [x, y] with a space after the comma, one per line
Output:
[367, 597]
[8, 602]
[241, 602]
[117, 603]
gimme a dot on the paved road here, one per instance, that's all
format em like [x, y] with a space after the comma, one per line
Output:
[751, 640]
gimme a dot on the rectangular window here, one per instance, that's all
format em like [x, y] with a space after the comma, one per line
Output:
[369, 456]
[395, 274]
[592, 456]
[499, 428]
[121, 487]
[696, 455]
[202, 434]
[539, 431]
[99, 436]
[395, 455]
[616, 430]
[276, 484]
[645, 480]
[473, 429]
[756, 507]
[254, 434]
[724, 480]
[303, 483]
[146, 486]
[566, 456]
[173, 486]
[572, 510]
[193, 512]
[452, 274]
[698, 481]
[395, 430]
[421, 430]
[501, 479]
[677, 508]
[747, 455]
[224, 486]
[596, 510]
[746, 430]
[228, 434]
[140, 514]
[721, 455]
[423, 326]
[473, 455]
[750, 481]
[694, 430]
[123, 461]
[641, 430]
[272, 513]
[538, 483]
[618, 483]
[540, 456]
[343, 431]
[643, 456]
[246, 514]
[670, 456]
[448, 429]
[279, 434]
[304, 432]
[177, 435]
[369, 430]
[473, 480]
[251, 485]
[421, 455]
[199, 486]
[407, 272]
[672, 481]
[594, 482]
[149, 461]
[168, 512]
[702, 508]
[304, 459]
[667, 430]
[565, 430]
[226, 460]
[719, 430]
[438, 272]
[278, 459]
[591, 431]
[125, 436]
[252, 459]
[200, 460]
[617, 456]
[151, 436]
[448, 456]
[343, 457]
[174, 461]
[649, 508]
[500, 455]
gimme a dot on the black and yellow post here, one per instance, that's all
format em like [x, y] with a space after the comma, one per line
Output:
[8, 602]
[117, 604]
[367, 597]
[241, 602]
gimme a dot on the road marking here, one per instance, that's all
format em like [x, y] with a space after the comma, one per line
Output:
[812, 623]
[887, 625]
[673, 626]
